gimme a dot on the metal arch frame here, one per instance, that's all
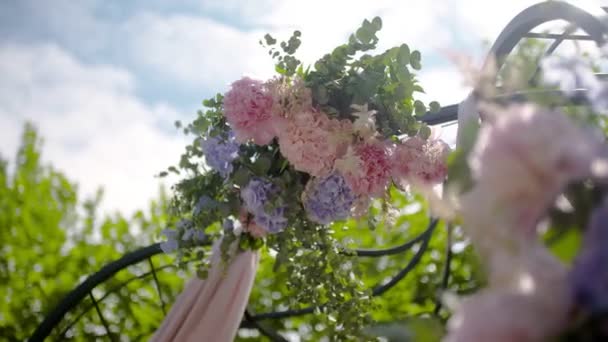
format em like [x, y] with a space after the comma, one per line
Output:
[85, 289]
[536, 15]
[519, 27]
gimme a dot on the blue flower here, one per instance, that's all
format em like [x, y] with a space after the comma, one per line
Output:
[589, 276]
[329, 199]
[228, 226]
[194, 235]
[219, 153]
[171, 245]
[258, 197]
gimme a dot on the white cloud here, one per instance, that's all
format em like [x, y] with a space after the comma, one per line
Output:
[195, 50]
[94, 128]
[101, 133]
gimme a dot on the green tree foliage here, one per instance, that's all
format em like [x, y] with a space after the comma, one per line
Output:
[50, 240]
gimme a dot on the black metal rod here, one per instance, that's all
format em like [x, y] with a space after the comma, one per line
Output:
[445, 278]
[271, 334]
[556, 43]
[558, 36]
[380, 289]
[100, 314]
[109, 292]
[160, 294]
[81, 291]
[394, 250]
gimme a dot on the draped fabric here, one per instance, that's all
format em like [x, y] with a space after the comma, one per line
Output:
[212, 309]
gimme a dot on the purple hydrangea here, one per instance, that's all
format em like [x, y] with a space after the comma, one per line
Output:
[204, 202]
[258, 197]
[329, 199]
[256, 194]
[589, 276]
[219, 153]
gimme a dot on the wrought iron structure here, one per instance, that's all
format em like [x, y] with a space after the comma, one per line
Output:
[520, 27]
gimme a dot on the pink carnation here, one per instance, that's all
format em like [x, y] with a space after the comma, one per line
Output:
[367, 168]
[420, 161]
[311, 142]
[247, 108]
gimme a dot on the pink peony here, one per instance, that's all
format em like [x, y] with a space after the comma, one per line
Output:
[420, 161]
[289, 98]
[311, 142]
[247, 108]
[367, 168]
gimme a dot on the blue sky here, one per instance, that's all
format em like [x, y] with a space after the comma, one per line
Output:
[105, 80]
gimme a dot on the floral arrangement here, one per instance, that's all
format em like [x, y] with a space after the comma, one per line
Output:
[275, 162]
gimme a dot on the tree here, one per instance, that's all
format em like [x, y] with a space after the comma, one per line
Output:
[51, 240]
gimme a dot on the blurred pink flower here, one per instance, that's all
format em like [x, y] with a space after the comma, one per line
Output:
[528, 299]
[367, 168]
[523, 157]
[247, 108]
[311, 142]
[504, 317]
[420, 161]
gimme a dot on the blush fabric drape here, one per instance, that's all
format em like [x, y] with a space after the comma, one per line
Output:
[212, 309]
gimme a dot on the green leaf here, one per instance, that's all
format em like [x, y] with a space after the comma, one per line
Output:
[269, 39]
[241, 177]
[434, 107]
[364, 35]
[415, 60]
[425, 131]
[567, 246]
[377, 22]
[403, 55]
[321, 95]
[419, 108]
[460, 179]
[262, 165]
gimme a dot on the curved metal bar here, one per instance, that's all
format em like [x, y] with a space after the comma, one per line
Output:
[445, 278]
[398, 249]
[271, 334]
[536, 15]
[380, 289]
[109, 292]
[450, 113]
[376, 291]
[82, 290]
